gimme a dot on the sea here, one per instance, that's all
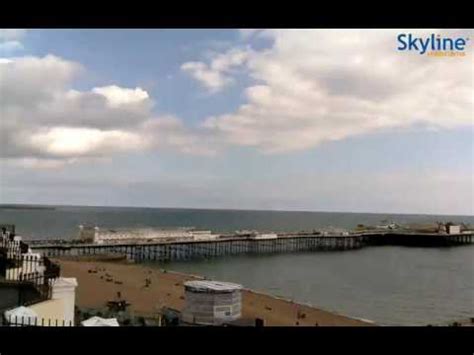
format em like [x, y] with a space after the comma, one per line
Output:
[389, 285]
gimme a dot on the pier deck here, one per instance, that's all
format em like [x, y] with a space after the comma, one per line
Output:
[185, 250]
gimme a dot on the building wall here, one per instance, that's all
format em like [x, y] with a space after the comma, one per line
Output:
[31, 267]
[454, 229]
[87, 233]
[65, 289]
[62, 302]
[266, 236]
[51, 310]
[144, 235]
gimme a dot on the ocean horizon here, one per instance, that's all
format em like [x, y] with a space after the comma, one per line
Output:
[61, 221]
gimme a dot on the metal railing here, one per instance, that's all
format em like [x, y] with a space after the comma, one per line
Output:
[18, 266]
[25, 321]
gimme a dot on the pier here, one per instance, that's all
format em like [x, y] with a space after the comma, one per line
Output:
[165, 251]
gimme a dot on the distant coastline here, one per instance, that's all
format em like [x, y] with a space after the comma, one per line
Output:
[25, 207]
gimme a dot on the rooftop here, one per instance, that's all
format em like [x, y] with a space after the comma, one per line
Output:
[206, 286]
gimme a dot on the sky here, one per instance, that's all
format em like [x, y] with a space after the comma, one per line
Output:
[318, 120]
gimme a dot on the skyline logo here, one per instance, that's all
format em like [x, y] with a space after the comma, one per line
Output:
[433, 45]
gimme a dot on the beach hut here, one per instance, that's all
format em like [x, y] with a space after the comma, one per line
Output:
[211, 302]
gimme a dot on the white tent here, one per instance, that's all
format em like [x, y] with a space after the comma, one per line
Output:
[21, 316]
[100, 322]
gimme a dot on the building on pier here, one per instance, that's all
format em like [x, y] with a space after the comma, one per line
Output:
[87, 233]
[334, 231]
[453, 229]
[97, 235]
[450, 228]
[264, 236]
[203, 235]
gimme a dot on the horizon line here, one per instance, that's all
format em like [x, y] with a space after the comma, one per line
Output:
[3, 205]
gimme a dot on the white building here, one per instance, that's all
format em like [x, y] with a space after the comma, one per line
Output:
[334, 231]
[61, 305]
[54, 308]
[454, 229]
[265, 236]
[203, 235]
[31, 266]
[57, 311]
[142, 235]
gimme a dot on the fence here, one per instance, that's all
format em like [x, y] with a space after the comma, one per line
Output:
[18, 265]
[34, 270]
[25, 321]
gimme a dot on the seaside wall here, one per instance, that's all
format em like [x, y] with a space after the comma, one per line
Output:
[61, 305]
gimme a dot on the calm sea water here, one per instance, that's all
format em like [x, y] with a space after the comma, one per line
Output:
[389, 285]
[63, 221]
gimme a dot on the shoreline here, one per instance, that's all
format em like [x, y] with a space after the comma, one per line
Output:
[277, 297]
[99, 281]
[305, 304]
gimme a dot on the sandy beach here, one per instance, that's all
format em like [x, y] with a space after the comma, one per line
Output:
[166, 289]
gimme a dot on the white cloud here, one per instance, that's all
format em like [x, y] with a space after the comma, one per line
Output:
[320, 85]
[44, 119]
[67, 141]
[211, 79]
[217, 74]
[310, 86]
[117, 96]
[10, 41]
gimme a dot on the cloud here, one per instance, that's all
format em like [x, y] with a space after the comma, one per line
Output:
[217, 75]
[44, 118]
[313, 86]
[117, 96]
[211, 79]
[9, 41]
[309, 86]
[67, 141]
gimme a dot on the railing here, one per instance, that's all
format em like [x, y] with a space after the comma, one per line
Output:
[19, 266]
[37, 271]
[25, 321]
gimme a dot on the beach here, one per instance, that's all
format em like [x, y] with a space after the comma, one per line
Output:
[100, 281]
